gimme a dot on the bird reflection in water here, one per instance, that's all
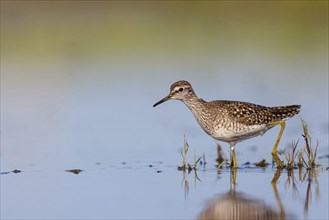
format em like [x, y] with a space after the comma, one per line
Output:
[236, 205]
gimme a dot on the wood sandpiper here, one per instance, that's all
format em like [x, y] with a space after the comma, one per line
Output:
[233, 121]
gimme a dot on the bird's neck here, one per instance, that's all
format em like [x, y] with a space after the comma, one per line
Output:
[193, 102]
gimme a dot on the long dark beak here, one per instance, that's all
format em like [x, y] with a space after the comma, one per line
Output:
[162, 100]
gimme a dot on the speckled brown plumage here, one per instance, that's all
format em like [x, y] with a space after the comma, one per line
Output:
[252, 114]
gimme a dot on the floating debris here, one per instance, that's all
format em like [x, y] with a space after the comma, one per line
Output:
[75, 171]
[9, 172]
[246, 163]
[16, 171]
[262, 163]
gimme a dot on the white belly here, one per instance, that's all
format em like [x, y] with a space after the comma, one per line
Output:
[234, 135]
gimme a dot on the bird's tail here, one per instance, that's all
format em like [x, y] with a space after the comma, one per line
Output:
[284, 112]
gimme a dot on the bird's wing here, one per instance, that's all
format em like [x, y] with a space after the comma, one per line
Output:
[246, 113]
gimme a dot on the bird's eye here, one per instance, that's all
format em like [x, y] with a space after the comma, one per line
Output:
[180, 89]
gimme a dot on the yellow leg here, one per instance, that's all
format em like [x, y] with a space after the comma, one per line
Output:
[276, 193]
[233, 158]
[275, 148]
[233, 180]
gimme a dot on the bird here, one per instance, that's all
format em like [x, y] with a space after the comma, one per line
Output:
[232, 121]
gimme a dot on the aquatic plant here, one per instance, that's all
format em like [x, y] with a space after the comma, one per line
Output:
[291, 157]
[311, 152]
[187, 166]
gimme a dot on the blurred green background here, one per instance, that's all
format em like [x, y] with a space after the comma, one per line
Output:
[47, 31]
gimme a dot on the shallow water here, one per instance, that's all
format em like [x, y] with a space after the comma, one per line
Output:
[108, 128]
[82, 101]
[159, 190]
